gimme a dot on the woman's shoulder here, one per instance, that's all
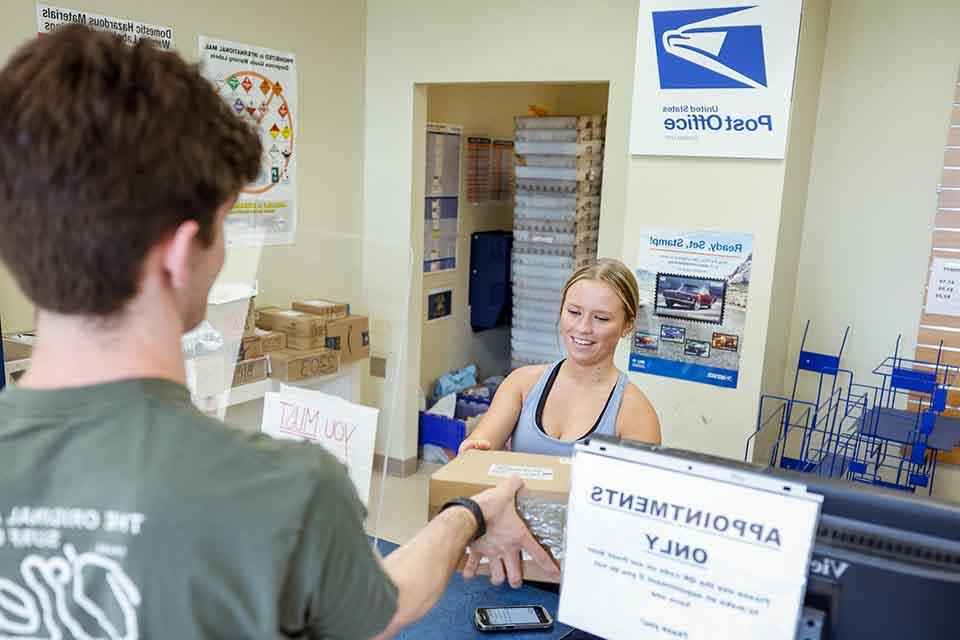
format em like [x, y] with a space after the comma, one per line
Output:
[638, 419]
[526, 377]
[634, 398]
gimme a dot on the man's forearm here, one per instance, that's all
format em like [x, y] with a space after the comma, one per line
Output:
[422, 568]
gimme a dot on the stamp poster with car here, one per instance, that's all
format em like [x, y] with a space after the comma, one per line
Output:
[694, 288]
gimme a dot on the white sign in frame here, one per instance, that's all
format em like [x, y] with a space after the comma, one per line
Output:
[714, 77]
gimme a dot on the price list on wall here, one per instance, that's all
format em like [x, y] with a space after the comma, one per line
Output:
[943, 292]
[478, 169]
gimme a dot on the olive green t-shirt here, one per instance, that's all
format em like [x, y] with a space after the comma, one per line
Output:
[126, 513]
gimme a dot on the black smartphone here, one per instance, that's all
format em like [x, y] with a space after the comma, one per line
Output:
[513, 618]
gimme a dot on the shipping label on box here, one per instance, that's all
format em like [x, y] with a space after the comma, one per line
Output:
[250, 348]
[250, 371]
[326, 309]
[350, 337]
[291, 366]
[271, 341]
[295, 323]
[542, 503]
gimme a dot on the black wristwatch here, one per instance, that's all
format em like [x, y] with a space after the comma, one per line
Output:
[474, 509]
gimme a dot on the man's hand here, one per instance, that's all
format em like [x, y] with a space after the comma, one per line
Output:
[507, 535]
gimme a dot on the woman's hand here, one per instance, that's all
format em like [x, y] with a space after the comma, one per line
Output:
[480, 445]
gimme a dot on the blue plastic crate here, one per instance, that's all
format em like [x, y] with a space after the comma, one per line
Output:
[450, 432]
[441, 431]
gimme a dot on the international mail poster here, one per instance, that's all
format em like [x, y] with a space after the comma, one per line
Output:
[714, 78]
[694, 291]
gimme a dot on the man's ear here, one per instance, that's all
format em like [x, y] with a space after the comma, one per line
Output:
[178, 253]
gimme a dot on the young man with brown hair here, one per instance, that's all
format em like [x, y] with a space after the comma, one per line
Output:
[124, 512]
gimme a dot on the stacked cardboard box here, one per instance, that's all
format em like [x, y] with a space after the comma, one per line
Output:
[556, 223]
[317, 335]
[251, 365]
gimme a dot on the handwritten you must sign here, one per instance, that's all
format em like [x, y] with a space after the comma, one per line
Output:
[346, 430]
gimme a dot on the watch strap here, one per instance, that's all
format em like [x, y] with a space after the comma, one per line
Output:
[474, 508]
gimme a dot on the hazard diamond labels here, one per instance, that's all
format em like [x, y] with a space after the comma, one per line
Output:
[264, 93]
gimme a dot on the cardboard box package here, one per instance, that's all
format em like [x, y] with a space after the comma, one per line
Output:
[350, 337]
[250, 324]
[306, 344]
[250, 348]
[290, 366]
[16, 358]
[262, 317]
[272, 340]
[293, 323]
[326, 309]
[248, 371]
[542, 502]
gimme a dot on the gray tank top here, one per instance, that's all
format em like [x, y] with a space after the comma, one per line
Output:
[528, 437]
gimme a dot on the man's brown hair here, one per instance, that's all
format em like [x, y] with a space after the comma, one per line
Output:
[105, 149]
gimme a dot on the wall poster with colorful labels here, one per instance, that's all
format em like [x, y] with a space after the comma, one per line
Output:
[260, 85]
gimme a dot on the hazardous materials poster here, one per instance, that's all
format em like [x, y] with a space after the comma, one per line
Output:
[260, 85]
[694, 288]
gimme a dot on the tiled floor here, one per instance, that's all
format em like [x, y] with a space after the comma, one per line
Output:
[403, 511]
[397, 517]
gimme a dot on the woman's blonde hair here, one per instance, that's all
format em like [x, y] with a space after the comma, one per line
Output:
[617, 276]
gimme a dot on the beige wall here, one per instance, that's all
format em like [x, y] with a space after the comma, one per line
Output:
[327, 37]
[888, 78]
[484, 110]
[428, 42]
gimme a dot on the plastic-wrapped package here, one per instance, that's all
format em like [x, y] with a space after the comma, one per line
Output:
[539, 271]
[563, 162]
[546, 122]
[545, 237]
[202, 341]
[546, 226]
[522, 214]
[547, 200]
[534, 185]
[553, 262]
[549, 173]
[546, 135]
[546, 520]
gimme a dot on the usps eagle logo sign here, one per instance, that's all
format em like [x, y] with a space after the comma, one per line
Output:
[719, 48]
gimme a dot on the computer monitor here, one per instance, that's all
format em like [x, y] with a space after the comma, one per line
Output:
[885, 564]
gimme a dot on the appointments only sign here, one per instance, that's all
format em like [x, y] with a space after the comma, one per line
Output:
[665, 553]
[714, 78]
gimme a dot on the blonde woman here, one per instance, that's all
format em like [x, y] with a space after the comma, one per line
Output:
[547, 408]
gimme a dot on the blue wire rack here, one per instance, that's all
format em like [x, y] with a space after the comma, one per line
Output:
[886, 435]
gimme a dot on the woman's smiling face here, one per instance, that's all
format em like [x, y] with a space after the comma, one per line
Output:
[592, 321]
